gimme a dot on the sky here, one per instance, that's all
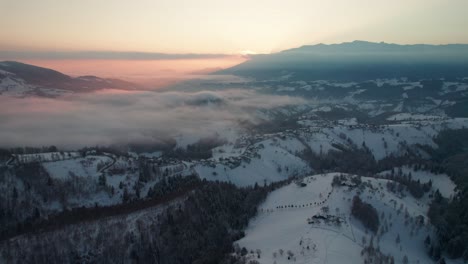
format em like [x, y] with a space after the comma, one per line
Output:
[215, 29]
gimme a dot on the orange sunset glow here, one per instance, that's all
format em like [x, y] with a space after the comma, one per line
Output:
[152, 73]
[185, 37]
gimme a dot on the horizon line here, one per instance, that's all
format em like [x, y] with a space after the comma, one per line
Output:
[142, 55]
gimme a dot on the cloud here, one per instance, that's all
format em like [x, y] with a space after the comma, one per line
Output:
[104, 55]
[116, 117]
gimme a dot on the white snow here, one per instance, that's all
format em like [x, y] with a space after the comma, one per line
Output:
[16, 87]
[441, 182]
[322, 109]
[269, 163]
[83, 167]
[288, 229]
[453, 87]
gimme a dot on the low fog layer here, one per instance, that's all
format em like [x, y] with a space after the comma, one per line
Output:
[116, 117]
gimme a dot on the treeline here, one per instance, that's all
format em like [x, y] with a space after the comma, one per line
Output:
[162, 144]
[415, 187]
[170, 185]
[21, 202]
[25, 189]
[198, 229]
[5, 154]
[83, 214]
[360, 160]
[189, 153]
[355, 160]
[150, 170]
[279, 123]
[30, 150]
[366, 213]
[451, 217]
[202, 149]
[100, 150]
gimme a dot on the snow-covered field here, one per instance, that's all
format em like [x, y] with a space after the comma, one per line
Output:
[282, 229]
[84, 167]
[381, 140]
[268, 164]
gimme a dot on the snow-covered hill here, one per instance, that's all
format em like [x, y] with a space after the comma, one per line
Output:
[11, 85]
[276, 156]
[261, 163]
[20, 80]
[314, 224]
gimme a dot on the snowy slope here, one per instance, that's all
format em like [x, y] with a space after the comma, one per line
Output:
[441, 182]
[80, 167]
[269, 162]
[382, 140]
[16, 87]
[280, 227]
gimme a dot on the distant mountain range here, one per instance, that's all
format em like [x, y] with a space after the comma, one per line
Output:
[355, 61]
[358, 61]
[22, 79]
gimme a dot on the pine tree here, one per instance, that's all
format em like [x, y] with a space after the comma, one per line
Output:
[15, 193]
[125, 196]
[102, 180]
[427, 241]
